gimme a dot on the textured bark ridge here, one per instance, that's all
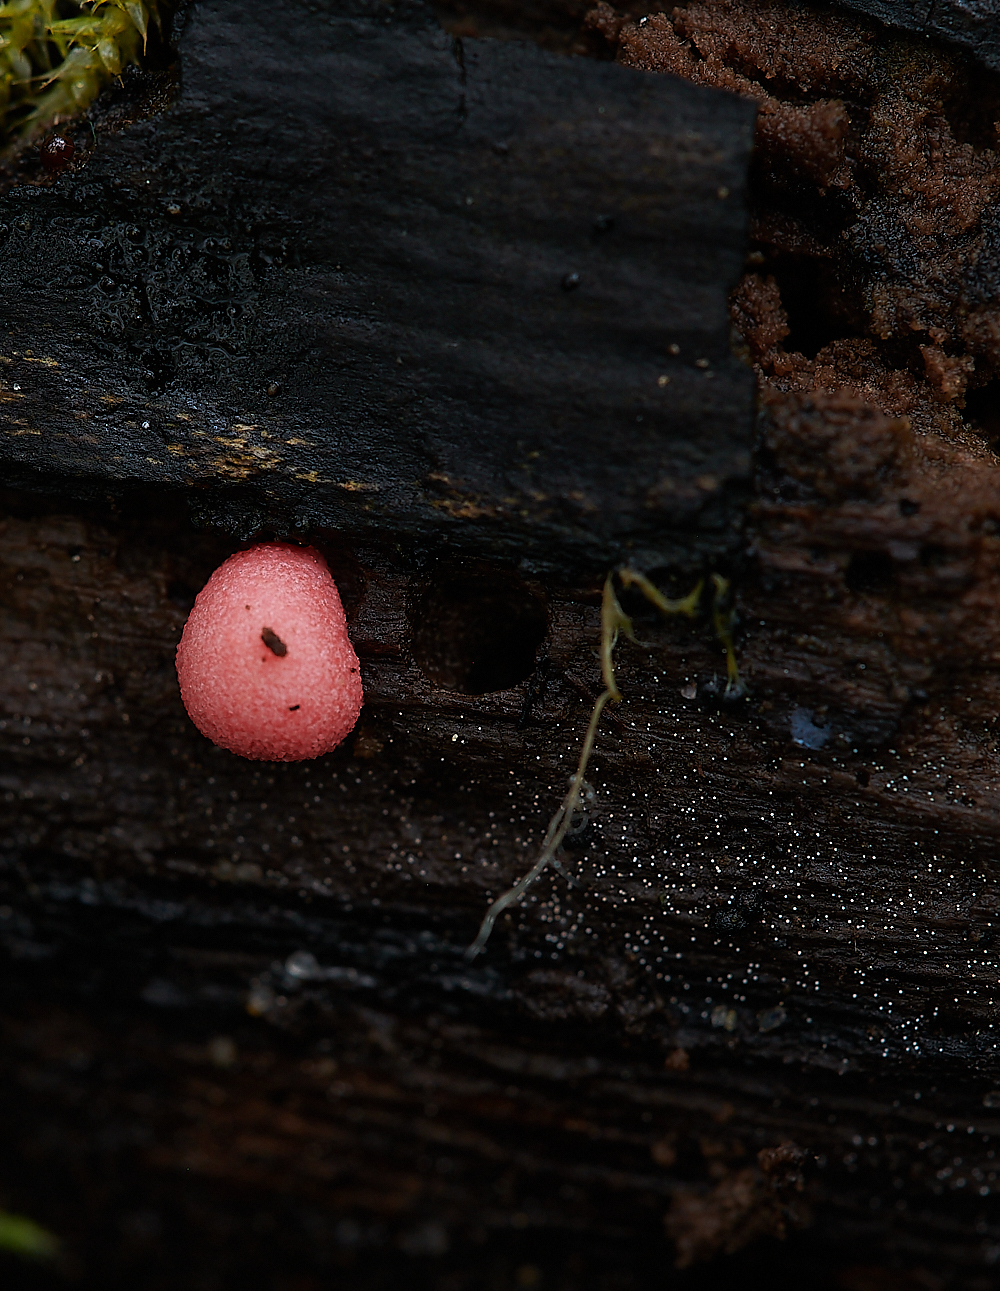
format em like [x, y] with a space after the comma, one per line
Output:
[967, 23]
[242, 1044]
[477, 294]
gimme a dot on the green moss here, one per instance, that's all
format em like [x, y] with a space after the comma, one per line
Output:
[57, 55]
[24, 1237]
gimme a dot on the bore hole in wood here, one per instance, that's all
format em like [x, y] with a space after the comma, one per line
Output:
[478, 630]
[870, 572]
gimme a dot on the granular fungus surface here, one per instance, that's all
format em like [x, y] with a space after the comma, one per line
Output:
[265, 665]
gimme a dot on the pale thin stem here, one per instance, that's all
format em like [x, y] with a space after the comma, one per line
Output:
[724, 617]
[554, 835]
[684, 605]
[559, 868]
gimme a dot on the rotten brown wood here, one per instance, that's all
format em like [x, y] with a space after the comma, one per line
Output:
[162, 879]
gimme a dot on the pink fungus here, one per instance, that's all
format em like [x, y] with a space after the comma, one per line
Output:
[265, 663]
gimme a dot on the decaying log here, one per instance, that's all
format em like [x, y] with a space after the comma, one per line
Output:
[369, 277]
[241, 1041]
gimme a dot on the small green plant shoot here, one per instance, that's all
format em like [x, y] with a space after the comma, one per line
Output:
[21, 1236]
[57, 55]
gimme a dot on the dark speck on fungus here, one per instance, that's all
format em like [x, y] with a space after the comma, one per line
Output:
[273, 642]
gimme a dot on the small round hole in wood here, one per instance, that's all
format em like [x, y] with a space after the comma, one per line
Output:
[478, 630]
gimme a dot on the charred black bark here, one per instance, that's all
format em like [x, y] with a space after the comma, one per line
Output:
[362, 275]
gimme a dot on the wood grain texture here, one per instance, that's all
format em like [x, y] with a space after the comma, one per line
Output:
[485, 286]
[784, 929]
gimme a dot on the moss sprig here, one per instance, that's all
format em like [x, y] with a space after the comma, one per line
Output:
[56, 56]
[22, 1236]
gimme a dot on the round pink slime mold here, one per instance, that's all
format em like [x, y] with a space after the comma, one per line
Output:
[265, 664]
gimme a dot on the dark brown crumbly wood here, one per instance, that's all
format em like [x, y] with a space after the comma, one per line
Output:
[875, 203]
[969, 24]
